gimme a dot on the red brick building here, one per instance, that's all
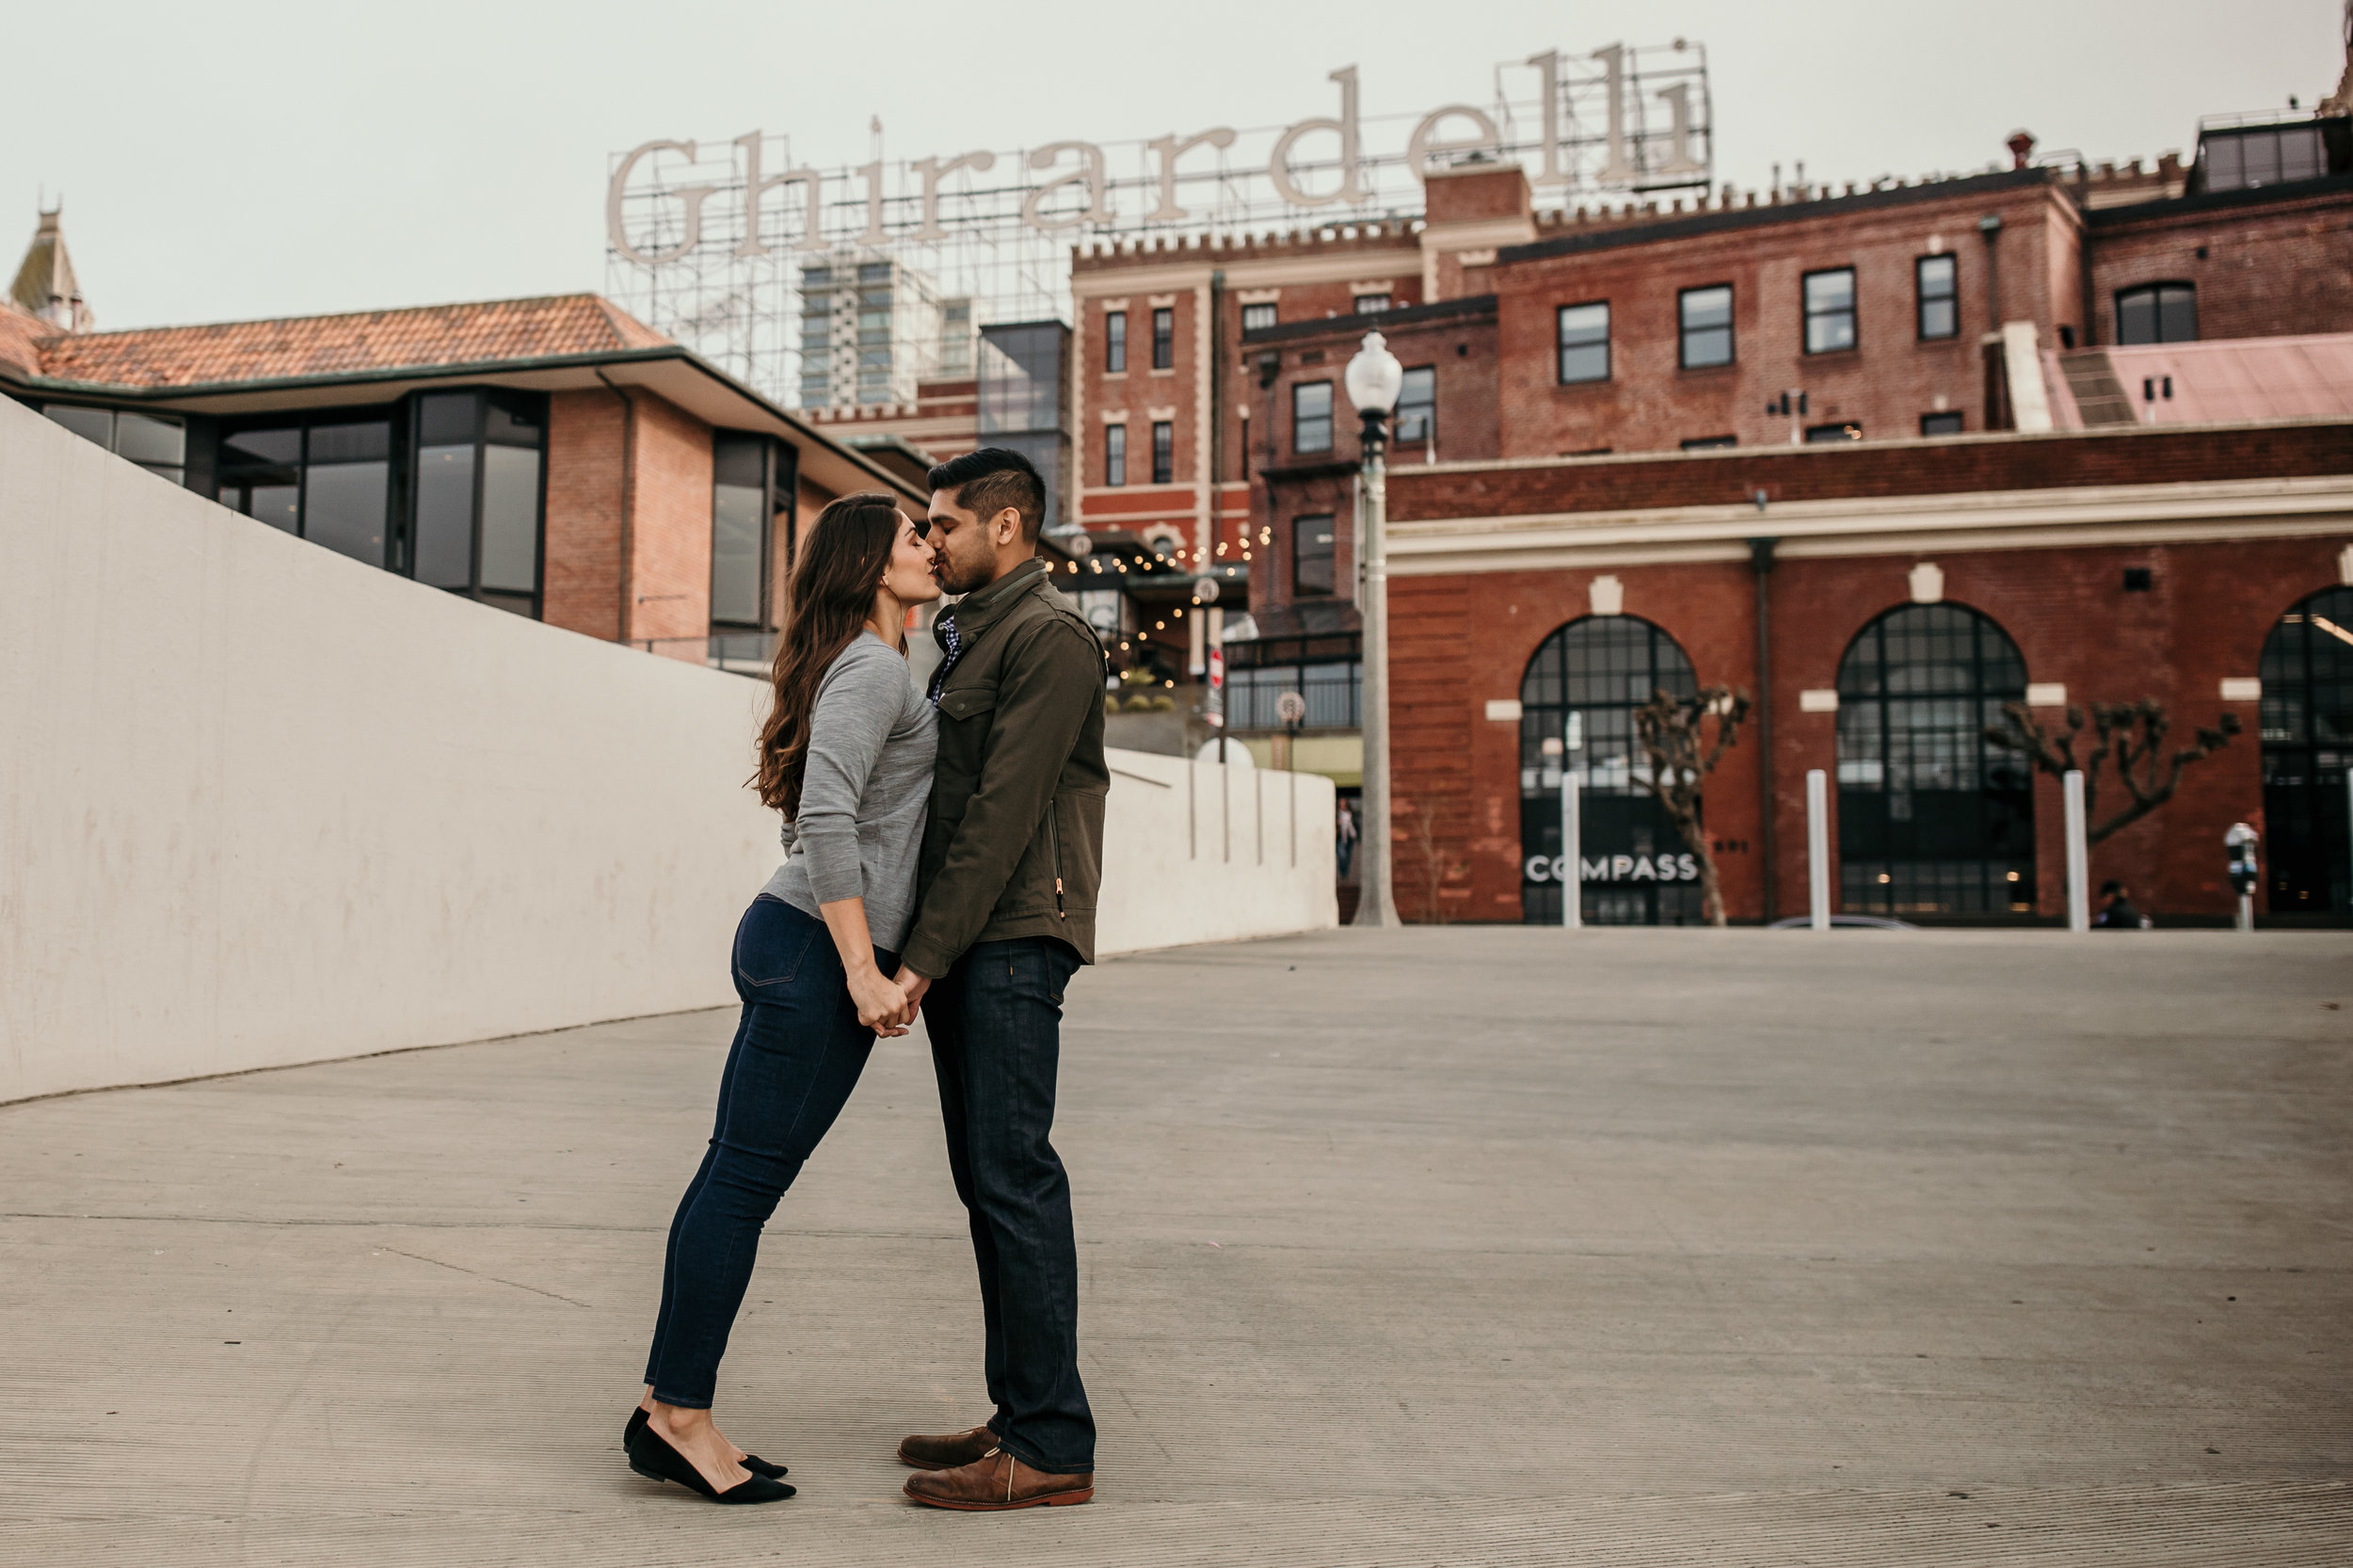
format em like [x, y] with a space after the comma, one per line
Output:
[553, 458]
[1886, 459]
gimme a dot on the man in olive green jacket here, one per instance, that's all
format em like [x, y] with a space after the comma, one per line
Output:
[1012, 857]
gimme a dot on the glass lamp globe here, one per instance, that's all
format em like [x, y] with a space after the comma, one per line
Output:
[1374, 376]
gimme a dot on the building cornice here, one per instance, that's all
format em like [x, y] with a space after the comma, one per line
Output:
[1993, 520]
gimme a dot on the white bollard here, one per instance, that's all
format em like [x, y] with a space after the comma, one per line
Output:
[2078, 855]
[1817, 847]
[1572, 851]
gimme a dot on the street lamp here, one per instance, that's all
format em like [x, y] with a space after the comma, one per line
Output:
[1374, 378]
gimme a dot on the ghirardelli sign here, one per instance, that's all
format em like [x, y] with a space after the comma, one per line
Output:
[1606, 123]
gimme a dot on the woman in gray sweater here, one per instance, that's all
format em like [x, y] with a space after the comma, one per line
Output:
[846, 755]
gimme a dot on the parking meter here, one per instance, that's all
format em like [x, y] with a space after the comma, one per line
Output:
[2241, 842]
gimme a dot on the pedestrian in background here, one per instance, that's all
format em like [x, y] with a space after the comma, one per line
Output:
[1346, 846]
[2119, 913]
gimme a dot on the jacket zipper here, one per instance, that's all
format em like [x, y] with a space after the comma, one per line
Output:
[1053, 837]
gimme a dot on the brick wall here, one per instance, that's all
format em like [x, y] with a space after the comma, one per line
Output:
[582, 590]
[2127, 457]
[1460, 641]
[671, 570]
[1887, 382]
[2262, 269]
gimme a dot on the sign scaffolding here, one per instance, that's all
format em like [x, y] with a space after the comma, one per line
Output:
[710, 241]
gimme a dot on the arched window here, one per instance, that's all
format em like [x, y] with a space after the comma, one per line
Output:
[2157, 312]
[2307, 740]
[1576, 705]
[1932, 819]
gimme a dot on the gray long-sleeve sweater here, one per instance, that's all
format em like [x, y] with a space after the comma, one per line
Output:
[859, 829]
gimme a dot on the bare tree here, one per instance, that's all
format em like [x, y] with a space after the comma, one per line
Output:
[2131, 733]
[1672, 732]
[1437, 865]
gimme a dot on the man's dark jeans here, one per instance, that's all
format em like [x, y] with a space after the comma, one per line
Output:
[798, 1051]
[995, 1019]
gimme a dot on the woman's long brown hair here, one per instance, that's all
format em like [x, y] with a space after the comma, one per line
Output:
[833, 592]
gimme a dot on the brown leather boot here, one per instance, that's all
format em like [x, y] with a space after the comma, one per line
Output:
[997, 1482]
[946, 1454]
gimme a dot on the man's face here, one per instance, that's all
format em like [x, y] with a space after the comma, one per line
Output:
[963, 557]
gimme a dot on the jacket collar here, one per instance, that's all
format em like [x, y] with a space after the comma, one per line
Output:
[976, 610]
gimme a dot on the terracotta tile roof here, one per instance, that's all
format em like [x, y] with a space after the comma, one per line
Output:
[301, 346]
[21, 335]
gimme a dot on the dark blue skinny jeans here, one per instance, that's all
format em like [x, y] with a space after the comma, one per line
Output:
[797, 1054]
[995, 1019]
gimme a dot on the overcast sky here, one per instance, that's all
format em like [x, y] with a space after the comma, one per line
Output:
[246, 159]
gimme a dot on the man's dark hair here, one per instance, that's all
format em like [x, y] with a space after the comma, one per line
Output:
[988, 481]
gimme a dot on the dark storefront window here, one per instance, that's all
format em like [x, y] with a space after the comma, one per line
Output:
[751, 503]
[1841, 430]
[328, 482]
[1418, 405]
[1577, 708]
[1584, 340]
[478, 495]
[2307, 746]
[1932, 819]
[1705, 318]
[1163, 339]
[1326, 671]
[1163, 452]
[158, 446]
[1830, 321]
[1311, 416]
[1937, 279]
[1312, 555]
[1946, 424]
[1114, 340]
[2157, 312]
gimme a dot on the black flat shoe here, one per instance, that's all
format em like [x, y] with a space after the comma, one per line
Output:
[753, 1463]
[651, 1454]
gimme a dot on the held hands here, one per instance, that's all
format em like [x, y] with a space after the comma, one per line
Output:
[882, 1006]
[912, 985]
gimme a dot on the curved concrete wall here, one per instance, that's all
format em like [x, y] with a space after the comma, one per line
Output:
[262, 804]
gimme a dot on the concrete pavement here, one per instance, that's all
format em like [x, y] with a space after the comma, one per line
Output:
[1431, 1246]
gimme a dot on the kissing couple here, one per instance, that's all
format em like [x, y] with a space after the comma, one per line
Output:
[943, 849]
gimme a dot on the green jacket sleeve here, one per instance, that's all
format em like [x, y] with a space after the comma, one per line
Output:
[1044, 694]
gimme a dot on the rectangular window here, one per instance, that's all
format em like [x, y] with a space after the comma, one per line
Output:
[1708, 443]
[1418, 405]
[1937, 279]
[1163, 452]
[1311, 416]
[1844, 430]
[738, 530]
[1829, 325]
[478, 502]
[1257, 317]
[347, 489]
[1311, 556]
[1114, 455]
[158, 446]
[1371, 304]
[1584, 338]
[1946, 423]
[2157, 312]
[1115, 342]
[1705, 317]
[1163, 339]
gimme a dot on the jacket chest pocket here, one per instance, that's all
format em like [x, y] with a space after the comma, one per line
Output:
[963, 703]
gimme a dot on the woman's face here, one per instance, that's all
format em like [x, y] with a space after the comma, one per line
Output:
[908, 572]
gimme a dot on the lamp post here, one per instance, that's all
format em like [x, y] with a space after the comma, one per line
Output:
[1374, 378]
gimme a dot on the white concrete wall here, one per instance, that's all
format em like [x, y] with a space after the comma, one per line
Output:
[262, 804]
[1194, 852]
